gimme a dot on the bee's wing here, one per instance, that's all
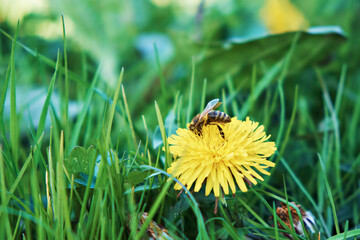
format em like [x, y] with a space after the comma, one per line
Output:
[210, 106]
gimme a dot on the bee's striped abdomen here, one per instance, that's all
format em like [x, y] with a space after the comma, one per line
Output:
[218, 116]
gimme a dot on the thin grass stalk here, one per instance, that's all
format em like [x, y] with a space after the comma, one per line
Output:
[112, 110]
[264, 82]
[230, 229]
[202, 233]
[86, 196]
[75, 133]
[36, 197]
[15, 185]
[15, 233]
[191, 92]
[292, 229]
[160, 72]
[163, 135]
[336, 160]
[14, 125]
[203, 95]
[252, 212]
[223, 95]
[331, 199]
[288, 131]
[153, 210]
[340, 90]
[307, 195]
[352, 233]
[233, 93]
[66, 75]
[128, 115]
[4, 216]
[44, 59]
[275, 222]
[282, 115]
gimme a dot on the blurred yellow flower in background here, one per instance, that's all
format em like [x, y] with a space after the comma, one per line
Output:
[281, 16]
[219, 159]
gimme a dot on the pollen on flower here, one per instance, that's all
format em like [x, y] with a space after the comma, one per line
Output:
[221, 162]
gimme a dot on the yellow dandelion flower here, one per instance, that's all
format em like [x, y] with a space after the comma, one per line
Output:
[222, 161]
[281, 16]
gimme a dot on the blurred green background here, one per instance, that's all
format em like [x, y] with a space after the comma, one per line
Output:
[241, 51]
[123, 34]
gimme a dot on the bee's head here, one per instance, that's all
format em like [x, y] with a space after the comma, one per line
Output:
[194, 123]
[191, 126]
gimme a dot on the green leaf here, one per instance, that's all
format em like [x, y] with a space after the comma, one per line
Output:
[236, 55]
[136, 177]
[79, 160]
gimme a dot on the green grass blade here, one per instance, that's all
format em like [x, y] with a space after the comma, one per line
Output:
[4, 90]
[17, 227]
[252, 212]
[192, 202]
[113, 105]
[86, 195]
[154, 208]
[282, 115]
[306, 193]
[163, 135]
[230, 229]
[335, 122]
[2, 125]
[292, 229]
[349, 234]
[223, 96]
[21, 174]
[332, 203]
[252, 97]
[346, 229]
[275, 222]
[260, 87]
[26, 216]
[76, 131]
[48, 61]
[354, 127]
[288, 131]
[191, 92]
[161, 75]
[4, 200]
[44, 111]
[14, 125]
[66, 75]
[128, 116]
[233, 92]
[340, 88]
[203, 96]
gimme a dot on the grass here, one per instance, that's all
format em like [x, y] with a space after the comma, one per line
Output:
[120, 129]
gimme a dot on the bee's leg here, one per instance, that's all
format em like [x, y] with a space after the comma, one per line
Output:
[221, 132]
[199, 130]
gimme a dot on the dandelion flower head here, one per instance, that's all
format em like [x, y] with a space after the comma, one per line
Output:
[281, 16]
[221, 161]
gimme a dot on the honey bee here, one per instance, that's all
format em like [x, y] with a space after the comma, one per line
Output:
[209, 116]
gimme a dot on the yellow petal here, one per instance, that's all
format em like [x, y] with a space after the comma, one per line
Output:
[209, 186]
[239, 180]
[204, 174]
[222, 179]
